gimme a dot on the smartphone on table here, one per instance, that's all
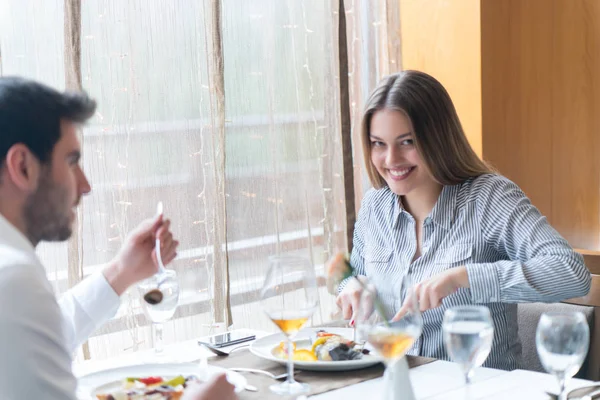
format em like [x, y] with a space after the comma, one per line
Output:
[229, 338]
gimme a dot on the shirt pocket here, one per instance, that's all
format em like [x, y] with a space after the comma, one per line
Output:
[454, 256]
[377, 254]
[377, 259]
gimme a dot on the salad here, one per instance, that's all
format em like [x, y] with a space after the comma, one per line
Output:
[149, 388]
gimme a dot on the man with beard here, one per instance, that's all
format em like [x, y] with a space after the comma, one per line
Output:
[41, 184]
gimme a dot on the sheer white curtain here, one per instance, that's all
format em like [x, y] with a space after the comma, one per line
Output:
[374, 50]
[160, 133]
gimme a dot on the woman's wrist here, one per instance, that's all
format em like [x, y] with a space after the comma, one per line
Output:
[461, 277]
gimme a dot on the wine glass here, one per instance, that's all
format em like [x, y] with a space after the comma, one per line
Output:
[373, 318]
[289, 297]
[562, 341]
[468, 335]
[159, 296]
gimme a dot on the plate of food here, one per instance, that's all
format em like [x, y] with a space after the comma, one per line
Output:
[149, 381]
[318, 349]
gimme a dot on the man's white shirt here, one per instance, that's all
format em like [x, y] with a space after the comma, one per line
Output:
[38, 334]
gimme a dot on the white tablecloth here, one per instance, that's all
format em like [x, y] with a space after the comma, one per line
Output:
[439, 380]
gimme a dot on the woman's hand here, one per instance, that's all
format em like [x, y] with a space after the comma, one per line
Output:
[348, 300]
[430, 293]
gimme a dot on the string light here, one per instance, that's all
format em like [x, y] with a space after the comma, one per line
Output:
[248, 194]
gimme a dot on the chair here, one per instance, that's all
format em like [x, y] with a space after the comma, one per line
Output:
[529, 315]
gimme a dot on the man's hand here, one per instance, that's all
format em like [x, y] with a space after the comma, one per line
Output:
[137, 258]
[217, 389]
[430, 293]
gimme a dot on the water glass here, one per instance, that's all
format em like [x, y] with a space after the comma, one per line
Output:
[562, 341]
[164, 310]
[468, 334]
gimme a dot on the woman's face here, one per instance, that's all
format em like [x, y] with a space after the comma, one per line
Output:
[394, 154]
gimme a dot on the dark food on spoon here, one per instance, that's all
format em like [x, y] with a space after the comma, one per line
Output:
[153, 297]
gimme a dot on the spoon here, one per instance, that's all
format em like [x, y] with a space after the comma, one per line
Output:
[155, 296]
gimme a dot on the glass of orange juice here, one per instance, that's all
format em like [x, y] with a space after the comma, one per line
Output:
[289, 297]
[390, 334]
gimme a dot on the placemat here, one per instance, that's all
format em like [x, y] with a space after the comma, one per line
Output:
[320, 382]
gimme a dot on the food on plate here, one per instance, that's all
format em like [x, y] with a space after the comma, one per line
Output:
[149, 388]
[325, 346]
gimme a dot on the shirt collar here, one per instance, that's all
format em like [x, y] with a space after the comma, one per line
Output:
[11, 236]
[443, 212]
[397, 207]
[445, 208]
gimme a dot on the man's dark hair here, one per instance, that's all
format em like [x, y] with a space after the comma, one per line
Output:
[30, 113]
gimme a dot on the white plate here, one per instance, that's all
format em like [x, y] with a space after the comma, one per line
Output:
[111, 379]
[263, 347]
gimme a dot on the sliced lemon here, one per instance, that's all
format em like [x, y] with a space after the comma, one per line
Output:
[318, 342]
[304, 355]
[280, 351]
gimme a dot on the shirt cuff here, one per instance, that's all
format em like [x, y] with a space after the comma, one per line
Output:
[343, 284]
[96, 297]
[484, 283]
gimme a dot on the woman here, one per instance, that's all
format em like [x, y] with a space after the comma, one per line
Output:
[465, 234]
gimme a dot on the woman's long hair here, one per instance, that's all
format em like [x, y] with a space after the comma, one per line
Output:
[438, 134]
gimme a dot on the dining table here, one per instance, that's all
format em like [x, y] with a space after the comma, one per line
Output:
[431, 379]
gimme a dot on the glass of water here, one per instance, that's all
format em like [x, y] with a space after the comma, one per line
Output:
[159, 296]
[562, 341]
[468, 335]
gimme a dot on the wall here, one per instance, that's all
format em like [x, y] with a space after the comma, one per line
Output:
[540, 63]
[442, 38]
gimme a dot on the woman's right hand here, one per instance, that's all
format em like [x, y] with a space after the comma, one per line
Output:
[218, 388]
[350, 297]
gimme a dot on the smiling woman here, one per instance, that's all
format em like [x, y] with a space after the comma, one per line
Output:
[394, 154]
[437, 212]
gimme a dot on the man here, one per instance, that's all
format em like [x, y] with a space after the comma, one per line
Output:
[41, 184]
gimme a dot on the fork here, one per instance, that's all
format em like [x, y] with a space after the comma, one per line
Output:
[220, 352]
[591, 396]
[263, 372]
[582, 393]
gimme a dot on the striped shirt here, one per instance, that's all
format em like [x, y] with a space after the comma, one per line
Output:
[487, 224]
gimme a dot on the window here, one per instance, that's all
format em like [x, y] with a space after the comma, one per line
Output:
[153, 138]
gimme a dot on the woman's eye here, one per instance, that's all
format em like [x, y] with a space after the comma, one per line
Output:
[408, 141]
[377, 144]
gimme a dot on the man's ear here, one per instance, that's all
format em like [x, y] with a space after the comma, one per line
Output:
[22, 167]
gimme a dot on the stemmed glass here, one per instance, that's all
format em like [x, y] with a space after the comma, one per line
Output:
[373, 317]
[468, 335]
[562, 341]
[289, 297]
[162, 311]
